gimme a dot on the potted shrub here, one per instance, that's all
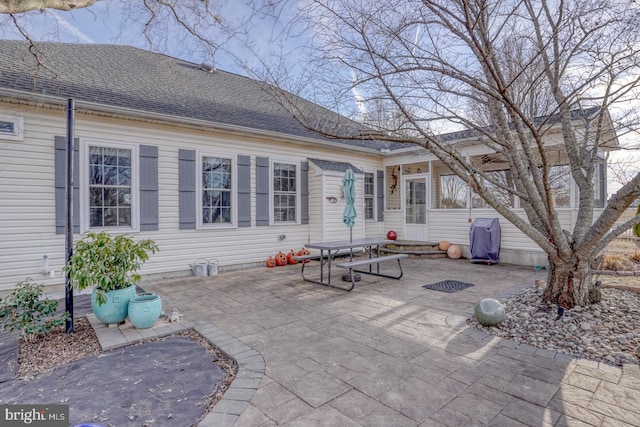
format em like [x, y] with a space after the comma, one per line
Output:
[109, 264]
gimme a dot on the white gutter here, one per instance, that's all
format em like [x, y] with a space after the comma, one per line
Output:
[10, 96]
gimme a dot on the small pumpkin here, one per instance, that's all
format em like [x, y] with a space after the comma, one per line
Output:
[271, 262]
[281, 259]
[303, 252]
[290, 258]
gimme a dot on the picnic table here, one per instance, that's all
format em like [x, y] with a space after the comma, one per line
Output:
[329, 250]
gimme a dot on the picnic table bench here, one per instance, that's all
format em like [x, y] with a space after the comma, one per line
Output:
[351, 265]
[328, 251]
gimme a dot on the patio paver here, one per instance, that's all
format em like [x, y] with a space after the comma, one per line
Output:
[390, 353]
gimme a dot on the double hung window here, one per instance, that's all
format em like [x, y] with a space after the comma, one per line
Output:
[285, 192]
[217, 186]
[369, 196]
[110, 185]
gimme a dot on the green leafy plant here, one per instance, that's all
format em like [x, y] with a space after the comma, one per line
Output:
[107, 262]
[636, 228]
[25, 310]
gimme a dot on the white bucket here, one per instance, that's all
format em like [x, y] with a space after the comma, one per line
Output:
[199, 268]
[213, 267]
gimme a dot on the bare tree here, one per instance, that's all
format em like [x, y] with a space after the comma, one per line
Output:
[21, 6]
[623, 169]
[193, 26]
[516, 74]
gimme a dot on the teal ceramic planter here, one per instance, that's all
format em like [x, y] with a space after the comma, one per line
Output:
[116, 308]
[144, 310]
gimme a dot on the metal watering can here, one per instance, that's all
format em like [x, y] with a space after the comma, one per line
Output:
[203, 267]
[200, 267]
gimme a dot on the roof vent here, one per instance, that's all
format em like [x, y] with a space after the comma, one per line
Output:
[209, 68]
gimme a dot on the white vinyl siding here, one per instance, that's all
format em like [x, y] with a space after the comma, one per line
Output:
[27, 197]
[28, 214]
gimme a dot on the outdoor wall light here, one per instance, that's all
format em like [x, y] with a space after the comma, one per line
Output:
[331, 199]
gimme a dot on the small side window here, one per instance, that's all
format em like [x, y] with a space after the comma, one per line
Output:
[369, 196]
[11, 128]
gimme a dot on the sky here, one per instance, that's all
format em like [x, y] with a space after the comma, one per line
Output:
[105, 23]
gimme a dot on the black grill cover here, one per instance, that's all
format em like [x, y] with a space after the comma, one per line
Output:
[484, 237]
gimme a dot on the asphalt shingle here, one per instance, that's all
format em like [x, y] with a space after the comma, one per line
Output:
[136, 79]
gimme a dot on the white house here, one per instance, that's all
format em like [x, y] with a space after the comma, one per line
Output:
[205, 163]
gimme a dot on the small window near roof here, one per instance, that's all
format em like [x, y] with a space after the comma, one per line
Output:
[11, 128]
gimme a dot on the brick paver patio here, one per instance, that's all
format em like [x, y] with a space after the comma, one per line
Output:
[390, 353]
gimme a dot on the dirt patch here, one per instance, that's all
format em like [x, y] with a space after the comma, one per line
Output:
[629, 283]
[619, 265]
[621, 255]
[44, 353]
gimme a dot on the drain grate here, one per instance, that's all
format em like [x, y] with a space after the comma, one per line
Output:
[448, 286]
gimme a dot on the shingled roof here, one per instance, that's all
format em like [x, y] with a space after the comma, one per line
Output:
[329, 165]
[143, 81]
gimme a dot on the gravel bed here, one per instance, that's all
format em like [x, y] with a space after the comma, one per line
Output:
[608, 331]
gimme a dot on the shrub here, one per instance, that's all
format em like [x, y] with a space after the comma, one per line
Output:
[107, 262]
[25, 310]
[613, 262]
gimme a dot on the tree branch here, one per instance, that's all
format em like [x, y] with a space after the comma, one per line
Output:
[22, 6]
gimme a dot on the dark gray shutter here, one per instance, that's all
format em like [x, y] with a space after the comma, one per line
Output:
[262, 191]
[380, 195]
[187, 189]
[60, 160]
[148, 188]
[304, 193]
[244, 191]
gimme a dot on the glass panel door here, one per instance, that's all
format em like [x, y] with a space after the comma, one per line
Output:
[416, 194]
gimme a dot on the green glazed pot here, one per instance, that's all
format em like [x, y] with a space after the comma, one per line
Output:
[144, 310]
[116, 309]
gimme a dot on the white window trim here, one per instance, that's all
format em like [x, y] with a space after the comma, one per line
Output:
[271, 192]
[234, 190]
[84, 185]
[375, 195]
[18, 123]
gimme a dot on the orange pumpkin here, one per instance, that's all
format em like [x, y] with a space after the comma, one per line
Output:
[303, 252]
[290, 256]
[281, 259]
[271, 262]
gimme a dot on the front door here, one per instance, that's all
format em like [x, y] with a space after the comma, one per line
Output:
[416, 194]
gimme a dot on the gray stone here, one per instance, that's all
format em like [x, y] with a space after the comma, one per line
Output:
[489, 312]
[585, 326]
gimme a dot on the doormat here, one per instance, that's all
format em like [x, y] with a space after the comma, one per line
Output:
[449, 286]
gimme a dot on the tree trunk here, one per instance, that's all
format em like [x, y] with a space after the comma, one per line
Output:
[570, 284]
